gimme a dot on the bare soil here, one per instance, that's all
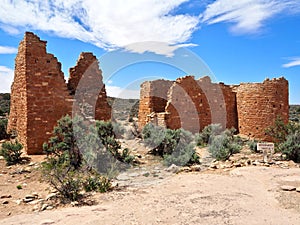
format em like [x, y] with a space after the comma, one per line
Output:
[242, 190]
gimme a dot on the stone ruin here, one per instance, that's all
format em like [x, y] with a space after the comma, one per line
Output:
[192, 104]
[40, 96]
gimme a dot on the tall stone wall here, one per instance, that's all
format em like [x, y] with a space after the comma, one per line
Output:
[194, 104]
[85, 83]
[187, 105]
[222, 103]
[258, 105]
[153, 99]
[39, 93]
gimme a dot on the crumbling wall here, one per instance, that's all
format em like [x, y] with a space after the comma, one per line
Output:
[153, 99]
[258, 105]
[222, 103]
[187, 105]
[85, 83]
[40, 95]
[194, 104]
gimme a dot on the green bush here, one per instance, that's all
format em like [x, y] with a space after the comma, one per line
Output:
[97, 183]
[65, 168]
[3, 127]
[253, 145]
[224, 145]
[203, 138]
[286, 138]
[175, 146]
[107, 135]
[182, 156]
[291, 146]
[279, 130]
[11, 152]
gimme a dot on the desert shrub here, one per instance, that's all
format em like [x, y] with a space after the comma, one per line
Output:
[96, 183]
[279, 130]
[222, 146]
[183, 155]
[203, 138]
[65, 168]
[118, 130]
[291, 146]
[3, 126]
[107, 137]
[253, 145]
[11, 152]
[175, 146]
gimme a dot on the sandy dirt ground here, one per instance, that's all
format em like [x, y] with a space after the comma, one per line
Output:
[247, 195]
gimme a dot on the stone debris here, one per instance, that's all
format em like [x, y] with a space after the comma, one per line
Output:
[173, 168]
[5, 196]
[51, 196]
[288, 188]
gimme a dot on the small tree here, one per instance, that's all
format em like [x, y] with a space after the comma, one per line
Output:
[11, 152]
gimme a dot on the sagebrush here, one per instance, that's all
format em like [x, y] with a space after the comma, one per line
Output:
[175, 146]
[224, 145]
[11, 152]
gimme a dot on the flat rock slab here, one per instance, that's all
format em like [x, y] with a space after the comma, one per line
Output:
[288, 188]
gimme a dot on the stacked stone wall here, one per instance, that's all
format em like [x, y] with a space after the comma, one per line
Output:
[40, 95]
[259, 104]
[85, 83]
[187, 105]
[193, 104]
[153, 98]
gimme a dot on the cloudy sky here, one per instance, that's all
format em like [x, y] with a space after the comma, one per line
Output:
[238, 40]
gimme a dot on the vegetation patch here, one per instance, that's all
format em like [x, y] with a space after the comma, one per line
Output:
[175, 146]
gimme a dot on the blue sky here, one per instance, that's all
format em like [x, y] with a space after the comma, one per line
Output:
[232, 41]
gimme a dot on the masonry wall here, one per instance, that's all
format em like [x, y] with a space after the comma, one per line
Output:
[194, 104]
[153, 98]
[187, 105]
[86, 85]
[39, 93]
[222, 103]
[258, 105]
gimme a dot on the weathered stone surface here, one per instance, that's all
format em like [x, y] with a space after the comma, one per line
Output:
[258, 105]
[85, 83]
[153, 99]
[40, 95]
[193, 104]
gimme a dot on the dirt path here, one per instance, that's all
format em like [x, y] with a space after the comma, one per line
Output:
[248, 195]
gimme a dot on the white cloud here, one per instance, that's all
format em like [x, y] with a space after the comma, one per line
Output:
[114, 91]
[247, 16]
[293, 62]
[107, 24]
[8, 50]
[6, 77]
